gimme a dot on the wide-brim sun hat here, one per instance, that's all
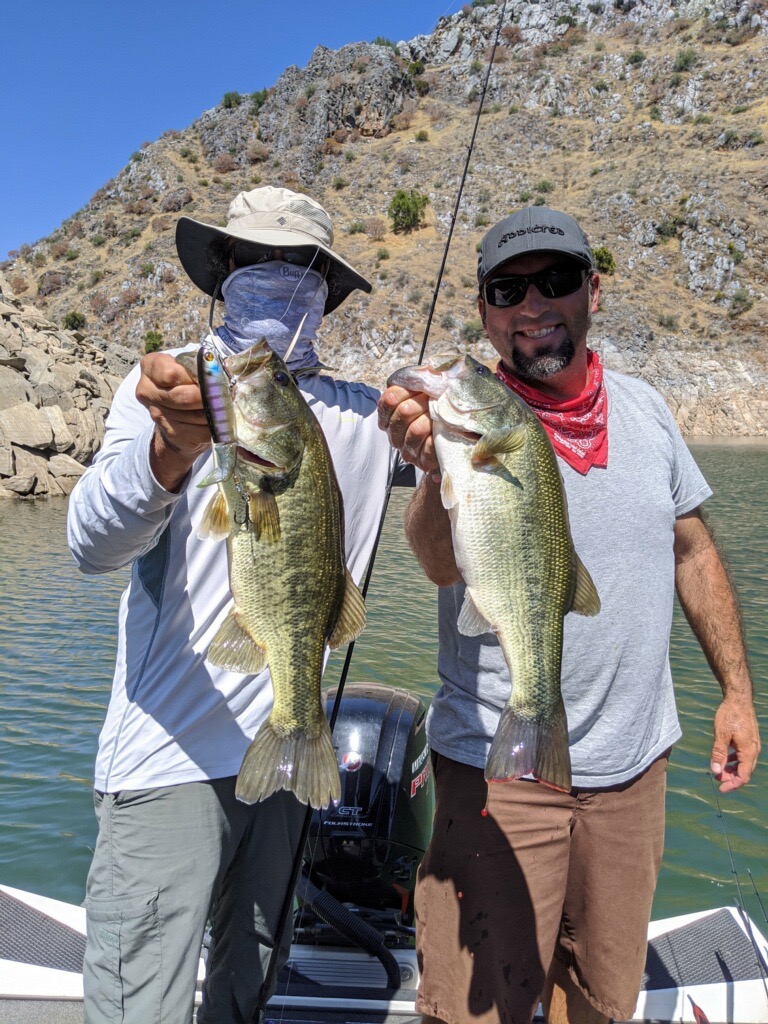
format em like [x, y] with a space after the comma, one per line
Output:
[276, 218]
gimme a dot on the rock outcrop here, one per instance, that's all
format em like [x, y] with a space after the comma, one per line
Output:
[55, 391]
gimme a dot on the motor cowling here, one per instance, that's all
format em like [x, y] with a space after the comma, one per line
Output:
[366, 850]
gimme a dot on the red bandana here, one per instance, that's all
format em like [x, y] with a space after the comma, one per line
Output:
[578, 428]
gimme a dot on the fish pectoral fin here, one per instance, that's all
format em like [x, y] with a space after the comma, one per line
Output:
[448, 496]
[471, 621]
[493, 443]
[189, 361]
[586, 600]
[264, 515]
[351, 620]
[234, 649]
[215, 522]
[224, 462]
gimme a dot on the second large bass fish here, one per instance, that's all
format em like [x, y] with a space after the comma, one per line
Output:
[279, 507]
[509, 522]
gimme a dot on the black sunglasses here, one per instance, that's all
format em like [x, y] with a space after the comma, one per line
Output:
[553, 283]
[249, 254]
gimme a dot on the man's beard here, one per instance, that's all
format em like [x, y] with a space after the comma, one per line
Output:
[541, 367]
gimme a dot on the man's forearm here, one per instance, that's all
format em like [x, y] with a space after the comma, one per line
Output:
[711, 608]
[428, 530]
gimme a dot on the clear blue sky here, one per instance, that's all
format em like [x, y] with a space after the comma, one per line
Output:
[84, 83]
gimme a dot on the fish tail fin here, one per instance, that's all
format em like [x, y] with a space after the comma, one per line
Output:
[300, 761]
[524, 746]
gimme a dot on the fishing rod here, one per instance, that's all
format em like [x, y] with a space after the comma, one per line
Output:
[740, 906]
[285, 913]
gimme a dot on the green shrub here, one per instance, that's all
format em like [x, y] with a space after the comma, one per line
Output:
[636, 58]
[73, 321]
[741, 302]
[382, 254]
[258, 99]
[604, 260]
[383, 41]
[231, 100]
[669, 322]
[407, 210]
[422, 86]
[153, 340]
[685, 59]
[422, 135]
[472, 330]
[544, 186]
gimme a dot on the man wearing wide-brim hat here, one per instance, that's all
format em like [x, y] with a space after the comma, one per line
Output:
[175, 846]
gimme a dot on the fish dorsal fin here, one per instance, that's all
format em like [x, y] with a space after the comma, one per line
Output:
[471, 621]
[264, 516]
[351, 619]
[448, 495]
[503, 441]
[215, 523]
[233, 648]
[586, 600]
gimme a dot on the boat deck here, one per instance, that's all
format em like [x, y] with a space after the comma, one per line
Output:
[716, 960]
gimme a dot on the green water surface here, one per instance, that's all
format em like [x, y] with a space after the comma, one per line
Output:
[57, 637]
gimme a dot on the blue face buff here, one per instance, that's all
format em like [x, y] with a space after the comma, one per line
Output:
[268, 300]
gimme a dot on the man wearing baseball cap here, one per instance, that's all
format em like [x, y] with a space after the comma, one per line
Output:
[527, 892]
[175, 846]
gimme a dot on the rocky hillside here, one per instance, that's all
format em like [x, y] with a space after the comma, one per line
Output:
[644, 119]
[55, 391]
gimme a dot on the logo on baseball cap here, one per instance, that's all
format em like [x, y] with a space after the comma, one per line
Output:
[532, 230]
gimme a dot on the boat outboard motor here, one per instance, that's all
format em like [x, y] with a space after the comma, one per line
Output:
[364, 852]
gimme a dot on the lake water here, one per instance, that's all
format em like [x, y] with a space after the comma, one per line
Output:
[57, 638]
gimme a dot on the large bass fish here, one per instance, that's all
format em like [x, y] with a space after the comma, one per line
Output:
[509, 523]
[278, 505]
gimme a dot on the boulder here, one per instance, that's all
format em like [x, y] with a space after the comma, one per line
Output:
[24, 424]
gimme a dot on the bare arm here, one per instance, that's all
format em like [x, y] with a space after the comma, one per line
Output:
[428, 530]
[711, 608]
[404, 415]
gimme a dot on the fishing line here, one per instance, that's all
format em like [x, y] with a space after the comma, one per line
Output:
[283, 920]
[757, 894]
[761, 963]
[459, 194]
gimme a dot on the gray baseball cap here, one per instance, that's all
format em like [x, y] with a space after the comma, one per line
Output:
[533, 229]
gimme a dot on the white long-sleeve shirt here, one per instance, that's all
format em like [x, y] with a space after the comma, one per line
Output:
[172, 716]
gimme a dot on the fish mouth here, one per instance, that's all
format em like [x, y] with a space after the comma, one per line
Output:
[256, 460]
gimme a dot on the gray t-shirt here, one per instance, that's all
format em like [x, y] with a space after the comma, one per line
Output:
[616, 679]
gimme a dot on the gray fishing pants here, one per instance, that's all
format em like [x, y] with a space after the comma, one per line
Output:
[166, 861]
